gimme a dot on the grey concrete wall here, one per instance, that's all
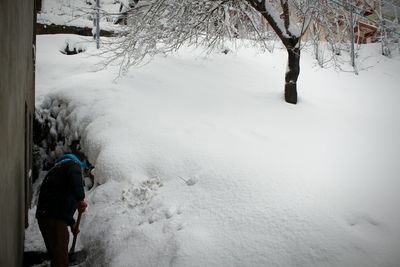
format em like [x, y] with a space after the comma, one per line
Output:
[16, 110]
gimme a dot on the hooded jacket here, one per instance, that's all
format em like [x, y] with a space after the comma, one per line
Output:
[61, 190]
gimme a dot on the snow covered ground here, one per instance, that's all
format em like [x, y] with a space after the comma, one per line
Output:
[200, 162]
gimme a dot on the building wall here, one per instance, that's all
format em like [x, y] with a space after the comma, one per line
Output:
[16, 111]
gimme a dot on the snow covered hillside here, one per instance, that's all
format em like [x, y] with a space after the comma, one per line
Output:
[200, 162]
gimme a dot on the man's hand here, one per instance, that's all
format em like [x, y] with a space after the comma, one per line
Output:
[75, 229]
[82, 206]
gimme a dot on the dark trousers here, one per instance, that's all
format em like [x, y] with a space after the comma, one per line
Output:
[56, 237]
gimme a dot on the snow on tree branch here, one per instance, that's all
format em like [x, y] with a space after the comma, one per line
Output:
[163, 26]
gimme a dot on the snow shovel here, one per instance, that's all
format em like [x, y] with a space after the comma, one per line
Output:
[78, 256]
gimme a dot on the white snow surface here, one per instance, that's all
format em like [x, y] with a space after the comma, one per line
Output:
[200, 162]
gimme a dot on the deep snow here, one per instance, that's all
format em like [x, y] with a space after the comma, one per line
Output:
[267, 183]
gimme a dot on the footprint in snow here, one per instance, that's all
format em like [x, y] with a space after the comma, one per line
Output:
[169, 213]
[359, 219]
[190, 181]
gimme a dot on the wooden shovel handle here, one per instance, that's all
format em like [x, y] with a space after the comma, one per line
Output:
[72, 250]
[78, 221]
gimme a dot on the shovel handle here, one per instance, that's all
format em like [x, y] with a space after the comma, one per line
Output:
[72, 250]
[78, 221]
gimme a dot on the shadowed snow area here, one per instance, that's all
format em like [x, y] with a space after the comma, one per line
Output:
[200, 162]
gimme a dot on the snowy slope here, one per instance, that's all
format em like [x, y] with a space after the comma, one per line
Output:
[200, 162]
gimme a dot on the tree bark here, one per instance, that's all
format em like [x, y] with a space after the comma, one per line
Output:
[292, 74]
[290, 41]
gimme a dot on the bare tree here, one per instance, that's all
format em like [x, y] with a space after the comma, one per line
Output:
[330, 28]
[290, 35]
[163, 26]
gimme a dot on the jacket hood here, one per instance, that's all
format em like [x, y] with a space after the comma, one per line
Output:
[68, 157]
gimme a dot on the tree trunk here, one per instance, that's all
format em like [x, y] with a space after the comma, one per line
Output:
[292, 74]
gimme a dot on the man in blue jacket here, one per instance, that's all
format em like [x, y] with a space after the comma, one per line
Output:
[61, 194]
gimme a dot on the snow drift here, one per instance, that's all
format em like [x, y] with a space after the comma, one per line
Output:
[200, 162]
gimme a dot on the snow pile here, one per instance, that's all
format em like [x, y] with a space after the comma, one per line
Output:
[200, 162]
